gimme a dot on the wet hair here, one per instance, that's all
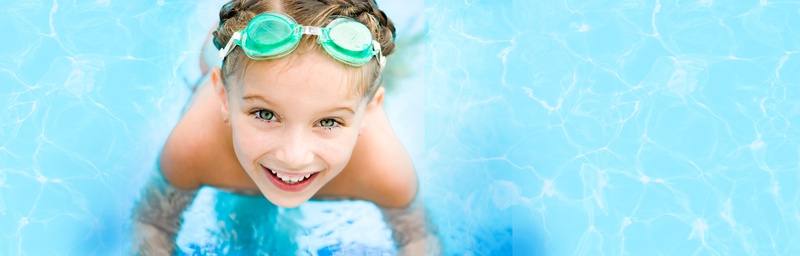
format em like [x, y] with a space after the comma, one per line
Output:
[235, 15]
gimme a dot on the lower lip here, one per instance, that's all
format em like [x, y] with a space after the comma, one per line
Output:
[296, 187]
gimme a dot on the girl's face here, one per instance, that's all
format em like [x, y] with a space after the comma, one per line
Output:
[294, 124]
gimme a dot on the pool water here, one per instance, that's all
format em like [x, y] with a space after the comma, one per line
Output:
[614, 127]
[537, 128]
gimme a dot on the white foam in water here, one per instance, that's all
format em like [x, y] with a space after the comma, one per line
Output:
[220, 222]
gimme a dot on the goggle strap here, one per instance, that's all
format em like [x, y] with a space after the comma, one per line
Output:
[376, 50]
[229, 47]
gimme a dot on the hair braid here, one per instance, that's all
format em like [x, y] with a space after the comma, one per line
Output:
[236, 14]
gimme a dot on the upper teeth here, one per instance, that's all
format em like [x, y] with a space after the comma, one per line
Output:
[290, 180]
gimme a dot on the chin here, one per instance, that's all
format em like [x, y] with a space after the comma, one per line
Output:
[287, 203]
[284, 200]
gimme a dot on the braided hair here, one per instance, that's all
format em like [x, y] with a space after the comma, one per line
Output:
[235, 15]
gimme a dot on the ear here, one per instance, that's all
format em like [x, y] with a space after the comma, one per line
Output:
[373, 105]
[377, 99]
[219, 90]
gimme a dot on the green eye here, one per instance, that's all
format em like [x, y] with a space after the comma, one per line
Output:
[264, 114]
[327, 123]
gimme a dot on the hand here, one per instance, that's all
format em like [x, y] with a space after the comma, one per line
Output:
[149, 240]
[412, 231]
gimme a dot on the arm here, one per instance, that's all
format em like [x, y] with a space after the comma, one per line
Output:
[413, 232]
[157, 216]
[396, 185]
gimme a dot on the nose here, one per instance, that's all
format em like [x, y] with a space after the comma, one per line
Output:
[294, 150]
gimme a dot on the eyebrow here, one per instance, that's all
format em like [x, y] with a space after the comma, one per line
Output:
[348, 109]
[262, 99]
[256, 98]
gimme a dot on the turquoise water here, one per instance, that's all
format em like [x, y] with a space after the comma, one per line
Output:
[614, 127]
[547, 128]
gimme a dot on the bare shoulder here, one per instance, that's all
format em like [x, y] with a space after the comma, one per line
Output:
[179, 161]
[389, 186]
[189, 145]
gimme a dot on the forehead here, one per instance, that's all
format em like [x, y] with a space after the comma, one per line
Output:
[307, 75]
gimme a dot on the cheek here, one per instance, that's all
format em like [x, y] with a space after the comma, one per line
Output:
[337, 152]
[344, 148]
[248, 142]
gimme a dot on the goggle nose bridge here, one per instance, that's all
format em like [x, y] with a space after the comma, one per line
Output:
[309, 30]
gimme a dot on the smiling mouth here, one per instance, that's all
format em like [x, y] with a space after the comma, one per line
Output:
[287, 182]
[288, 179]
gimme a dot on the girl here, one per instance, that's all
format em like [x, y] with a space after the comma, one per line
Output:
[294, 113]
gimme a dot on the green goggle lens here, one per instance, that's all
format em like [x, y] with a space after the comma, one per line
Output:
[348, 41]
[269, 36]
[274, 35]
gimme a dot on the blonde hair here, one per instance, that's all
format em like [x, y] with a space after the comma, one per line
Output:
[235, 15]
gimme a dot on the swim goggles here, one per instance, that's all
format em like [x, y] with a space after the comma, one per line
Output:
[273, 35]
